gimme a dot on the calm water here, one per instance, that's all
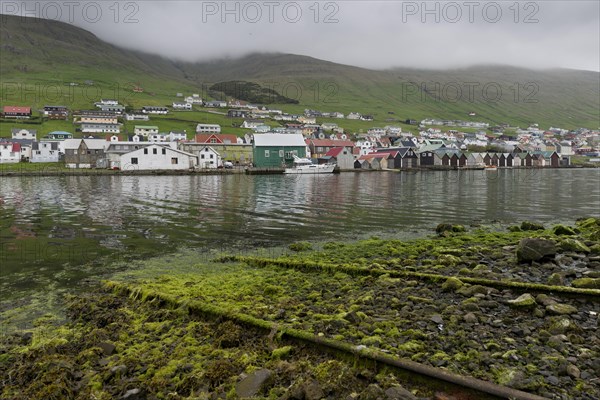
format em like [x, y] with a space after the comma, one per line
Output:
[54, 230]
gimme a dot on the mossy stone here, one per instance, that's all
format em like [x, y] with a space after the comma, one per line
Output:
[563, 230]
[570, 244]
[531, 226]
[586, 283]
[452, 284]
[523, 301]
[561, 309]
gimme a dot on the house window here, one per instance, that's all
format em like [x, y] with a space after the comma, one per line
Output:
[281, 153]
[202, 156]
[267, 153]
[174, 160]
[213, 140]
[38, 152]
[155, 151]
[212, 156]
[145, 151]
[134, 160]
[164, 151]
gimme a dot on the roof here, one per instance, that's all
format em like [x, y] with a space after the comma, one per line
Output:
[221, 138]
[13, 109]
[146, 127]
[331, 143]
[15, 146]
[16, 130]
[36, 145]
[279, 139]
[335, 151]
[60, 133]
[373, 155]
[96, 144]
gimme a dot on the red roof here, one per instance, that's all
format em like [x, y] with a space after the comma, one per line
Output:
[331, 143]
[335, 151]
[13, 109]
[221, 138]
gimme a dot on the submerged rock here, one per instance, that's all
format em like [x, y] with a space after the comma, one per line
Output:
[535, 249]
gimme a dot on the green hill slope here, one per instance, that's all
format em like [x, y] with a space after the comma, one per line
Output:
[49, 53]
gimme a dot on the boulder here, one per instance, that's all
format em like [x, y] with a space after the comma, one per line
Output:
[313, 390]
[563, 230]
[107, 348]
[561, 309]
[535, 249]
[523, 301]
[452, 284]
[398, 393]
[574, 245]
[586, 283]
[252, 384]
[531, 226]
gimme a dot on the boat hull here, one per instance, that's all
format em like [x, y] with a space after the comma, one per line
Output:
[311, 170]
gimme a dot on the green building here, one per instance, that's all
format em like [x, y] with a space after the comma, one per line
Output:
[275, 150]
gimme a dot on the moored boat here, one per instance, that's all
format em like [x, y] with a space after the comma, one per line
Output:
[306, 166]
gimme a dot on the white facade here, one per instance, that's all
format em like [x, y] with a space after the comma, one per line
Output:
[44, 152]
[182, 106]
[158, 157]
[155, 110]
[108, 102]
[145, 130]
[10, 153]
[137, 117]
[30, 134]
[100, 128]
[193, 100]
[177, 136]
[208, 128]
[208, 158]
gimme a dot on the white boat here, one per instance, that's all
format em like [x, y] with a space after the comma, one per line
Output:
[306, 166]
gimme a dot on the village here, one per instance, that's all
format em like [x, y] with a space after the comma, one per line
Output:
[101, 142]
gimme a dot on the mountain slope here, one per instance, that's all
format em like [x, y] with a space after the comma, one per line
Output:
[34, 51]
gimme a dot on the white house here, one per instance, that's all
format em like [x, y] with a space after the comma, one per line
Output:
[216, 104]
[158, 138]
[137, 116]
[262, 128]
[10, 152]
[44, 152]
[145, 130]
[182, 106]
[193, 99]
[100, 128]
[107, 102]
[208, 158]
[208, 128]
[251, 123]
[177, 136]
[24, 134]
[158, 157]
[155, 110]
[353, 115]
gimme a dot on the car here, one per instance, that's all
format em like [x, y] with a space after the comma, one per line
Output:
[228, 164]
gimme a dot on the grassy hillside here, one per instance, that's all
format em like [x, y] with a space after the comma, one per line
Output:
[38, 60]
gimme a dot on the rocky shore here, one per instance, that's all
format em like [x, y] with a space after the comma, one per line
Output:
[519, 308]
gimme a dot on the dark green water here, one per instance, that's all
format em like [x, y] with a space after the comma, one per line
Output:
[56, 232]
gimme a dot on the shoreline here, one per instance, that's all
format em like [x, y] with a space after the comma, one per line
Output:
[458, 299]
[61, 171]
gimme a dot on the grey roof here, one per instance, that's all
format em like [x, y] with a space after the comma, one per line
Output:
[36, 145]
[279, 139]
[15, 130]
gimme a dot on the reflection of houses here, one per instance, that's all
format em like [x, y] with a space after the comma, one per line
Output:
[85, 153]
[230, 147]
[277, 150]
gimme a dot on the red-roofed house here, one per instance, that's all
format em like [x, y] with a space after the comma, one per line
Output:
[10, 152]
[216, 138]
[16, 112]
[320, 147]
[342, 156]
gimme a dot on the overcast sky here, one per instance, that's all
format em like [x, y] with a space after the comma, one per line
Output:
[372, 34]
